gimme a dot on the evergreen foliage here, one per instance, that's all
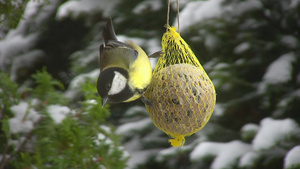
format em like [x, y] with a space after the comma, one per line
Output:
[11, 12]
[81, 140]
[250, 49]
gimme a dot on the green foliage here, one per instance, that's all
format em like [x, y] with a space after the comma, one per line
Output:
[294, 166]
[81, 140]
[8, 94]
[236, 49]
[93, 101]
[5, 128]
[8, 97]
[11, 11]
[46, 88]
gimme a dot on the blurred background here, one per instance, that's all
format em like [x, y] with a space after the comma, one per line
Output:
[50, 112]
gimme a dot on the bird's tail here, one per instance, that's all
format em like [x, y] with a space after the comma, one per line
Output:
[109, 32]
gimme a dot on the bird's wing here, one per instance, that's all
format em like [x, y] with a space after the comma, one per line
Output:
[116, 54]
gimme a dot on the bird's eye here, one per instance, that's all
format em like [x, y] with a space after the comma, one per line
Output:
[107, 86]
[136, 53]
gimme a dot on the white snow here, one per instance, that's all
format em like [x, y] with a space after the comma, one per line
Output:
[58, 113]
[21, 109]
[22, 39]
[91, 101]
[134, 126]
[249, 131]
[106, 129]
[289, 41]
[101, 138]
[171, 152]
[35, 14]
[286, 100]
[219, 110]
[104, 140]
[91, 53]
[26, 61]
[12, 45]
[7, 156]
[279, 71]
[152, 5]
[125, 154]
[35, 102]
[80, 79]
[292, 158]
[240, 61]
[211, 40]
[75, 8]
[248, 160]
[18, 142]
[273, 131]
[225, 154]
[137, 156]
[218, 71]
[196, 12]
[135, 110]
[241, 48]
[250, 127]
[294, 3]
[74, 87]
[32, 9]
[229, 154]
[24, 118]
[17, 125]
[244, 6]
[153, 45]
[221, 65]
[166, 153]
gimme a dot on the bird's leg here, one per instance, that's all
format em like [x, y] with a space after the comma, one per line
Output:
[156, 54]
[146, 101]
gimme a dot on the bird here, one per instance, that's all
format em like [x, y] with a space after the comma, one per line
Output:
[125, 69]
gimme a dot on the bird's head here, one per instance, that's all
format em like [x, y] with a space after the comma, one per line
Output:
[112, 85]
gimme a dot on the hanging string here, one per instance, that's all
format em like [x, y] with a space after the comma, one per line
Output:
[178, 16]
[168, 14]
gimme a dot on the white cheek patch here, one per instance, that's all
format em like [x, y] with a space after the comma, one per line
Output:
[118, 84]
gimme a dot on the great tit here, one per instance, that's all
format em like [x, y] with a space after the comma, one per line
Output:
[125, 69]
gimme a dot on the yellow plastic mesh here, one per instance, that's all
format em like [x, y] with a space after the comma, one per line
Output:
[175, 51]
[182, 95]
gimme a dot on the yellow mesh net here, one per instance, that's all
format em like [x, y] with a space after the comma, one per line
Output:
[182, 95]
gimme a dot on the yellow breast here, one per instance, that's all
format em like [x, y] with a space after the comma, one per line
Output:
[140, 72]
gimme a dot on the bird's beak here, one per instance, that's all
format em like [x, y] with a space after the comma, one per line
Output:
[104, 101]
